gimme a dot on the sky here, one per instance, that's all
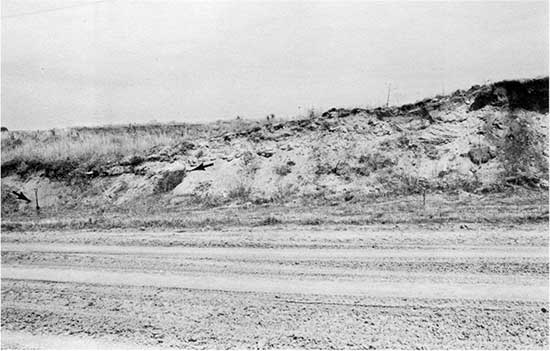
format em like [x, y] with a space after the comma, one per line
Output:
[85, 63]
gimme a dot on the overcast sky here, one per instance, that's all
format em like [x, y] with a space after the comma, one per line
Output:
[68, 63]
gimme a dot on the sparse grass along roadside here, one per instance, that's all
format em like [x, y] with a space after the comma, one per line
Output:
[498, 209]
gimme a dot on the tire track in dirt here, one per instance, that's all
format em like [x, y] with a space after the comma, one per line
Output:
[314, 253]
[209, 319]
[26, 340]
[462, 295]
[376, 283]
[535, 292]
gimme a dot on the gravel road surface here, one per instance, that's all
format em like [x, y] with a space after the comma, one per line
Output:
[351, 288]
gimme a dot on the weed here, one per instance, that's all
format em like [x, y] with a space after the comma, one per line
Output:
[283, 170]
[284, 193]
[376, 161]
[311, 221]
[250, 163]
[169, 180]
[399, 183]
[240, 192]
[199, 154]
[270, 221]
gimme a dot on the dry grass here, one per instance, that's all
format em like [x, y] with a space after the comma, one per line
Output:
[89, 147]
[513, 208]
[101, 145]
[114, 141]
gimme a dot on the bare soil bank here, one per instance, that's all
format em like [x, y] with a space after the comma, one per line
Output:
[489, 139]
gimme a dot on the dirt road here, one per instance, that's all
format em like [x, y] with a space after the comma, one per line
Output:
[369, 287]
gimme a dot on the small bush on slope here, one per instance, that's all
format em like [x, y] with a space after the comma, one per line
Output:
[169, 180]
[239, 192]
[283, 170]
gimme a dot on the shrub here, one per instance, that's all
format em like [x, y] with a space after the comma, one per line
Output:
[311, 113]
[169, 180]
[250, 163]
[270, 221]
[240, 192]
[284, 192]
[311, 221]
[400, 183]
[199, 153]
[375, 161]
[283, 170]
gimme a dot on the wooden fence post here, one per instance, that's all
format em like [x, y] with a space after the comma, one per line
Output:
[424, 197]
[36, 199]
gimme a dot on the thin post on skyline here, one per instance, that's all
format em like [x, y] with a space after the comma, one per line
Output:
[388, 98]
